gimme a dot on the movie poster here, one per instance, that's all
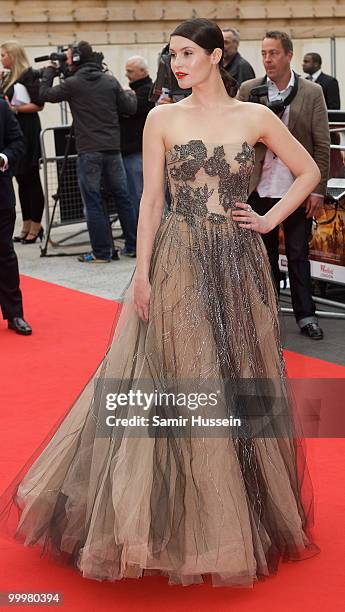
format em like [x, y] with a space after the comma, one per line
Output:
[327, 245]
[327, 242]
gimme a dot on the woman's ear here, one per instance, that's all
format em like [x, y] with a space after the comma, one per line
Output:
[216, 56]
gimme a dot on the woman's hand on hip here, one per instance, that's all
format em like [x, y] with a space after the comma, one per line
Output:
[249, 219]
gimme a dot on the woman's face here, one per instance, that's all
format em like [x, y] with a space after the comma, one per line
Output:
[190, 63]
[5, 59]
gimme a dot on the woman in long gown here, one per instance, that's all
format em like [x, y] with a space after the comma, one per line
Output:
[202, 308]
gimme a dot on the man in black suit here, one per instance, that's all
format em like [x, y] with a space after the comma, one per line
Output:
[312, 67]
[11, 148]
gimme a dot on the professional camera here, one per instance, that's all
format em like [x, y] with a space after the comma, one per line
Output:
[261, 91]
[52, 57]
[62, 68]
[259, 95]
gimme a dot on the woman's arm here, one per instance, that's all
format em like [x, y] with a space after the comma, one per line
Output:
[151, 205]
[23, 99]
[30, 107]
[275, 135]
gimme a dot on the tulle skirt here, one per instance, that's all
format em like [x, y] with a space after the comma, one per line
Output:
[229, 505]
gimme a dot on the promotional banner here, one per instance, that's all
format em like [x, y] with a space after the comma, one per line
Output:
[327, 245]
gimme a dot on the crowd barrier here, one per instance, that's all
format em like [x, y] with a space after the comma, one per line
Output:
[59, 178]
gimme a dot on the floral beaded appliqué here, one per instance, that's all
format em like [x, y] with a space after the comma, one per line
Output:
[188, 159]
[193, 148]
[191, 202]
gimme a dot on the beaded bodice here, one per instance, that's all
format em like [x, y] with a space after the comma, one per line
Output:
[206, 180]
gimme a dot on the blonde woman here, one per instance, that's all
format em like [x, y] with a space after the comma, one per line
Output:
[22, 90]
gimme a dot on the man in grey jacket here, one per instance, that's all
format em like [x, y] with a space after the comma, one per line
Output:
[304, 112]
[96, 100]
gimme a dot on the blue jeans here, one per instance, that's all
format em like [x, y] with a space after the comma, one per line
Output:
[92, 167]
[134, 170]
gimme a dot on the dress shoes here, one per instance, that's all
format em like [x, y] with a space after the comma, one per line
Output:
[313, 331]
[19, 326]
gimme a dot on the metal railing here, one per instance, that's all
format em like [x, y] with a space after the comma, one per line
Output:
[62, 198]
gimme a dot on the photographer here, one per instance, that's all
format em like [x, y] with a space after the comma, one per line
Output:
[301, 107]
[96, 100]
[165, 89]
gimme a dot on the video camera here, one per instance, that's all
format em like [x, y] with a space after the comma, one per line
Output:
[53, 57]
[63, 69]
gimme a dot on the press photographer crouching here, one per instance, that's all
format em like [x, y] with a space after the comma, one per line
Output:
[96, 100]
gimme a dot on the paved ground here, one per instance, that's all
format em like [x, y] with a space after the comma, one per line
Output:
[104, 280]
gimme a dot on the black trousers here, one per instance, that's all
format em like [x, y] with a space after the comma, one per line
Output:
[31, 194]
[10, 294]
[297, 229]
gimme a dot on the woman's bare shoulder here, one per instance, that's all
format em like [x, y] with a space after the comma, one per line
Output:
[161, 112]
[162, 119]
[257, 115]
[157, 121]
[251, 108]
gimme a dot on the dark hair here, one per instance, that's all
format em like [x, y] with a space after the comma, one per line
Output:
[85, 51]
[209, 36]
[284, 39]
[316, 58]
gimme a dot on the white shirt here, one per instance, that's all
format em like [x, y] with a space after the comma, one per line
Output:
[315, 75]
[20, 95]
[276, 178]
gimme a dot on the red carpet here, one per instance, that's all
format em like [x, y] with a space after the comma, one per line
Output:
[42, 374]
